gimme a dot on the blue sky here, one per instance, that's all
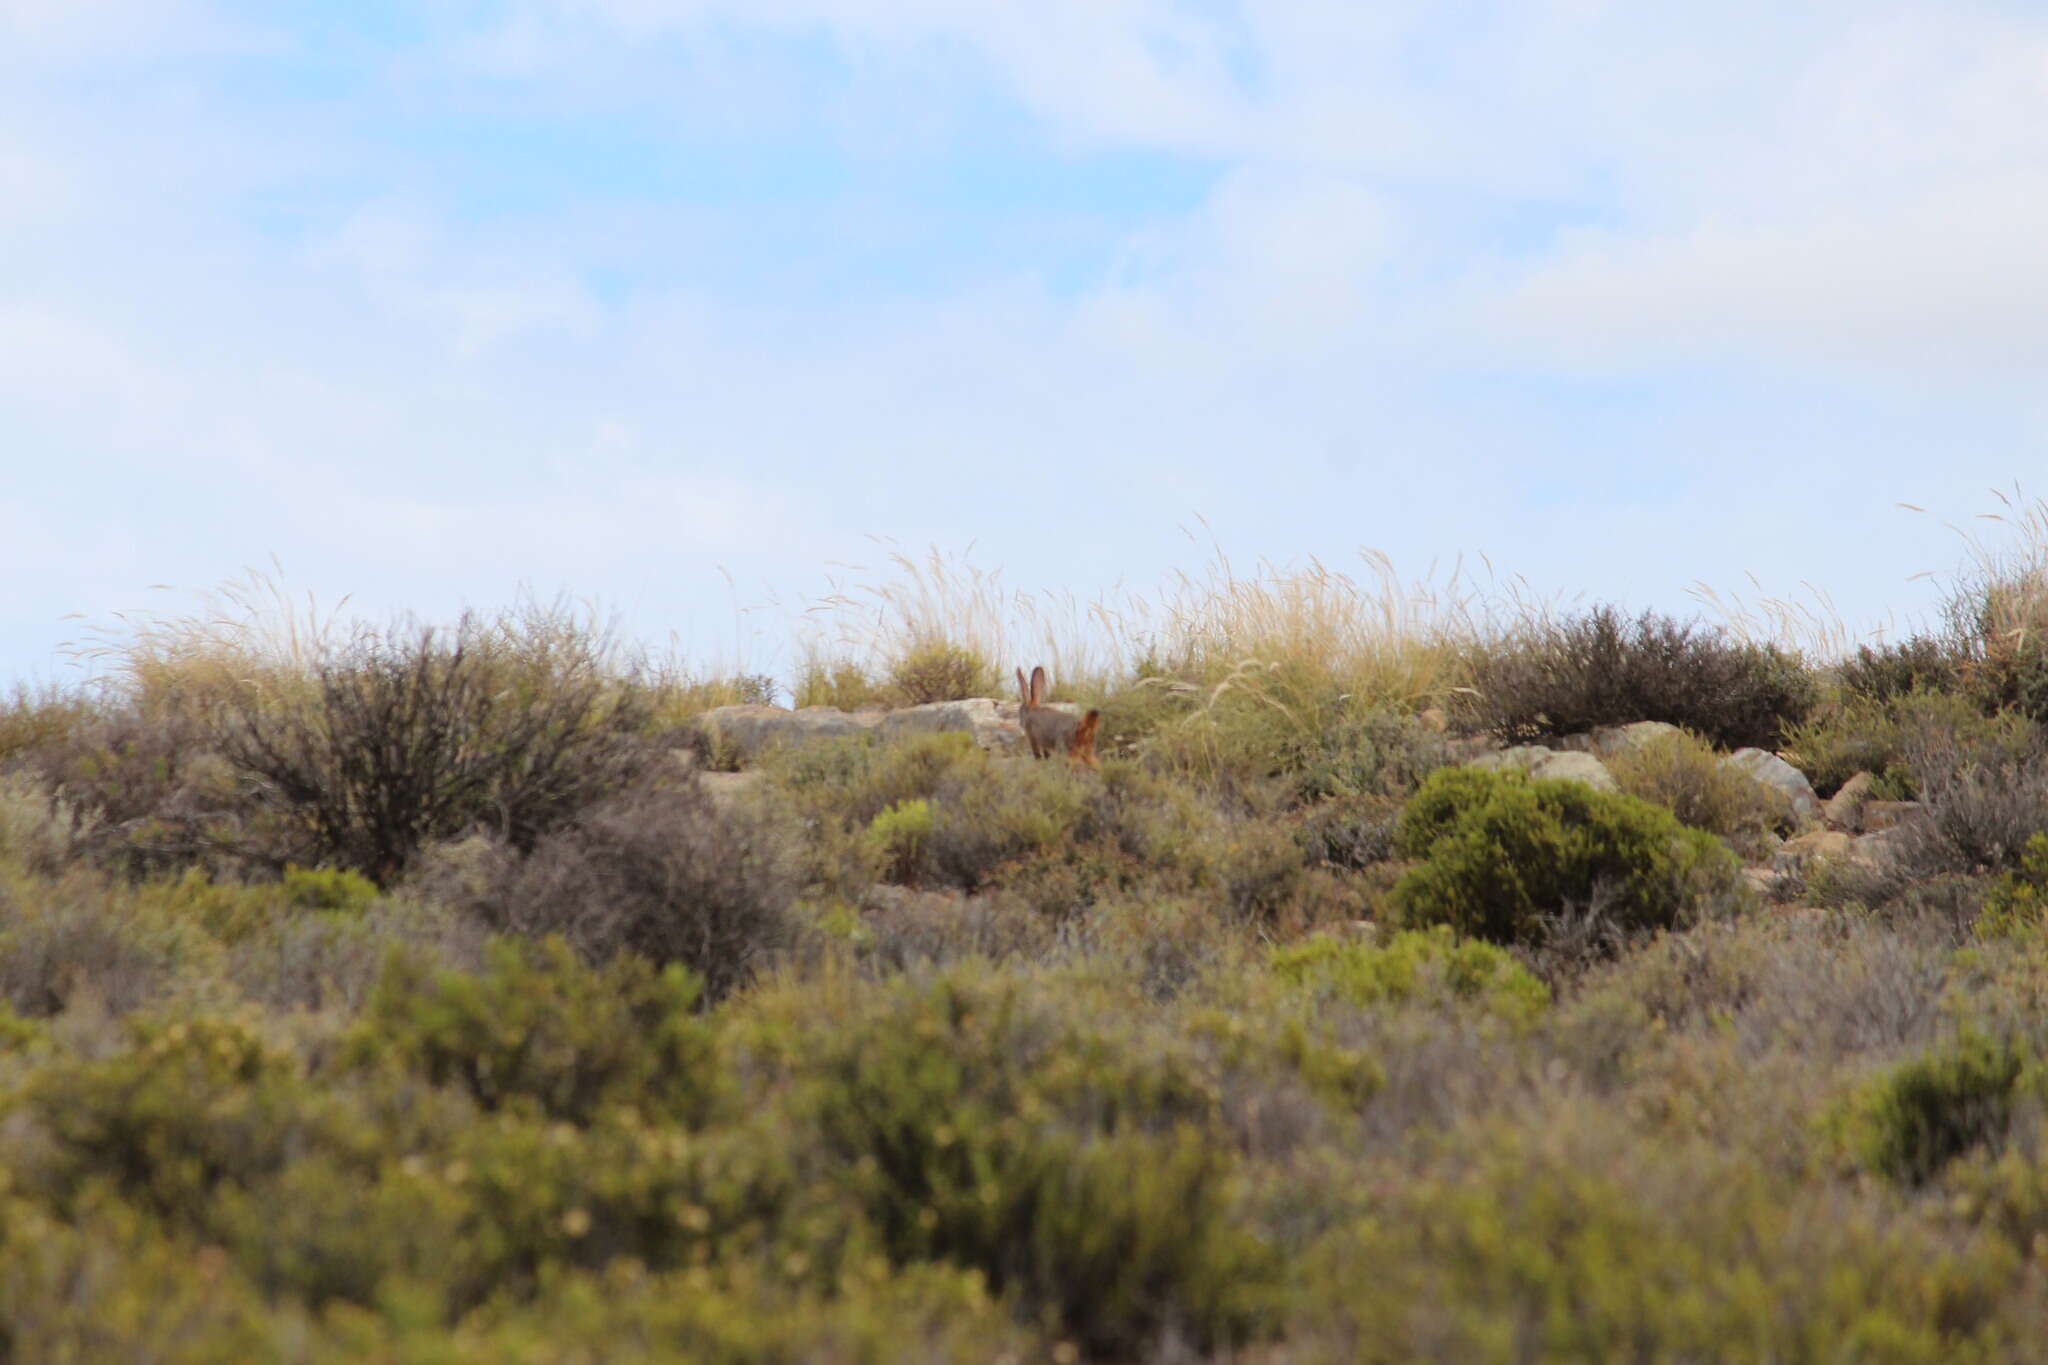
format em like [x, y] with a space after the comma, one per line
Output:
[433, 300]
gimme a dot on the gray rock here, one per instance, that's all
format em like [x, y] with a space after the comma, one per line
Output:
[1609, 740]
[1538, 761]
[992, 723]
[747, 731]
[1787, 785]
[1844, 809]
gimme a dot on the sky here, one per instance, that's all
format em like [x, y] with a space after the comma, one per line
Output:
[695, 307]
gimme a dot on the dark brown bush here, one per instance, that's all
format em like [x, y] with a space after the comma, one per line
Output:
[660, 870]
[1919, 663]
[1602, 668]
[1982, 802]
[412, 738]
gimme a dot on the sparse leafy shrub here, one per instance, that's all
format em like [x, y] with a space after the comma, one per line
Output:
[411, 739]
[939, 670]
[1924, 1113]
[1600, 668]
[1415, 965]
[840, 682]
[2004, 618]
[538, 1031]
[660, 870]
[1686, 777]
[1501, 851]
[2018, 904]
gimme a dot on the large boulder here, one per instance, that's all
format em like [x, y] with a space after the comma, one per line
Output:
[749, 730]
[1538, 761]
[1609, 740]
[1785, 784]
[992, 723]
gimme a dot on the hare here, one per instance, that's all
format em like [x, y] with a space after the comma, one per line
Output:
[1049, 731]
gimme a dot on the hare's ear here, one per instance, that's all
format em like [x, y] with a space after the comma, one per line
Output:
[1038, 685]
[1023, 688]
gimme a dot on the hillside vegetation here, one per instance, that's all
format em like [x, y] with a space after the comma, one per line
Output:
[411, 994]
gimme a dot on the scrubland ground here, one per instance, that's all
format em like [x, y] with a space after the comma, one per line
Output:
[404, 995]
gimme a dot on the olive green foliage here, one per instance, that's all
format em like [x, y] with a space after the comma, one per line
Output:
[1415, 964]
[535, 1030]
[2018, 903]
[1922, 1114]
[941, 671]
[1683, 774]
[1561, 676]
[1238, 1048]
[1500, 852]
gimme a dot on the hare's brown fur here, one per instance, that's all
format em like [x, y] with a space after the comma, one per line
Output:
[1048, 731]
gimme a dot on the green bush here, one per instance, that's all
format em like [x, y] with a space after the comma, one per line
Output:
[2017, 905]
[1501, 852]
[537, 1031]
[1922, 1114]
[975, 1128]
[1414, 965]
[940, 671]
[1561, 677]
[1890, 670]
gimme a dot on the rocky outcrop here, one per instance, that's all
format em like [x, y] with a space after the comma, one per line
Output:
[745, 732]
[1538, 761]
[1785, 784]
[1609, 740]
[1844, 810]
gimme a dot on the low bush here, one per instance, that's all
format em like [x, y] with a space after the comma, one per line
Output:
[941, 671]
[1923, 1113]
[2017, 904]
[1982, 802]
[1688, 778]
[1561, 677]
[660, 870]
[1500, 852]
[977, 1128]
[538, 1031]
[1414, 965]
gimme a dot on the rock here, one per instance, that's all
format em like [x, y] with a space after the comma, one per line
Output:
[1609, 740]
[1786, 783]
[1884, 815]
[1815, 846]
[1844, 809]
[992, 723]
[749, 730]
[1433, 719]
[1882, 847]
[1538, 761]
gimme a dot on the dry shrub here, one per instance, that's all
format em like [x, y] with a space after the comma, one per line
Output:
[413, 736]
[61, 939]
[1548, 678]
[906, 930]
[1981, 804]
[660, 870]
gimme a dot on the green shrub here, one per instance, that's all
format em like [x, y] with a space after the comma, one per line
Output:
[1922, 1114]
[975, 1127]
[538, 1031]
[1501, 852]
[2017, 905]
[941, 671]
[1560, 677]
[898, 837]
[1414, 965]
[188, 1107]
[1688, 778]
